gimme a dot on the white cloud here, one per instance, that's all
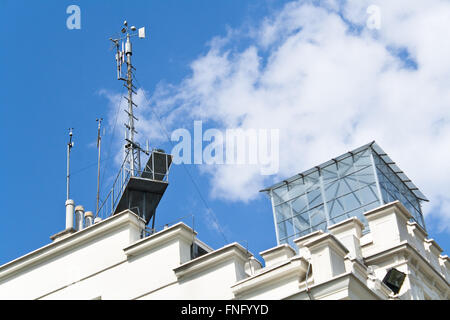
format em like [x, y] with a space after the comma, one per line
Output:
[330, 85]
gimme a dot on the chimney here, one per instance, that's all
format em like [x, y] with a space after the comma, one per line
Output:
[79, 217]
[88, 219]
[69, 213]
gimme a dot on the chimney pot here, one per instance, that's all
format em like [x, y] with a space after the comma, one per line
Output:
[79, 217]
[88, 218]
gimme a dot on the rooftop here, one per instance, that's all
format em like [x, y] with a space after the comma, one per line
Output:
[377, 149]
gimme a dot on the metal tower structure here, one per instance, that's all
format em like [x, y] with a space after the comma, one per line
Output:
[123, 56]
[135, 188]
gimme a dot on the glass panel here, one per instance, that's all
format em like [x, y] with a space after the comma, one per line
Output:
[351, 182]
[296, 188]
[350, 202]
[280, 195]
[371, 206]
[420, 220]
[282, 232]
[282, 212]
[345, 167]
[410, 209]
[289, 227]
[331, 190]
[365, 176]
[314, 198]
[322, 226]
[339, 218]
[335, 208]
[317, 216]
[330, 173]
[300, 223]
[392, 188]
[343, 188]
[362, 159]
[368, 194]
[411, 199]
[312, 180]
[416, 205]
[299, 205]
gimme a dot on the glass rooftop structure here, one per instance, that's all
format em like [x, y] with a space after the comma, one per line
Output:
[343, 187]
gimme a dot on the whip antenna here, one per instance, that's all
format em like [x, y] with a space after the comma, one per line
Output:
[69, 147]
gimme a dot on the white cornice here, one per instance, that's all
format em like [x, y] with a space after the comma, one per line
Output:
[417, 227]
[348, 224]
[295, 266]
[434, 244]
[300, 241]
[341, 283]
[280, 248]
[327, 239]
[126, 217]
[404, 246]
[387, 209]
[233, 250]
[179, 230]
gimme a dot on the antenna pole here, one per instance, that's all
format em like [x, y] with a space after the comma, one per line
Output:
[99, 143]
[69, 147]
[133, 153]
[132, 148]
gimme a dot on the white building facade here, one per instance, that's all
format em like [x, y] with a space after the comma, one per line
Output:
[113, 259]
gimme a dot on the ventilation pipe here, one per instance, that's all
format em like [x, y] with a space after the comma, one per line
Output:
[88, 219]
[69, 213]
[79, 217]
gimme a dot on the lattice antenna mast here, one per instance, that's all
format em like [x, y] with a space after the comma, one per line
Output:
[132, 148]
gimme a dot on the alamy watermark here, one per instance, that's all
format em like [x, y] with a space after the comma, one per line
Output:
[374, 19]
[74, 20]
[228, 147]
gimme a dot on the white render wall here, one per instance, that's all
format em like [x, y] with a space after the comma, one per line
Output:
[68, 260]
[109, 260]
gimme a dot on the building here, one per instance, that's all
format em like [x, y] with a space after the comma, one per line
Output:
[351, 228]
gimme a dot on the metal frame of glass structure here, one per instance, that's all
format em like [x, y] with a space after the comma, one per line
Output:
[344, 187]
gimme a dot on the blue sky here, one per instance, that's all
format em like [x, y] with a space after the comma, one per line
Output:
[53, 78]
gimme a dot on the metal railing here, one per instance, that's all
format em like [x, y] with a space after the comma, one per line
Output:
[109, 204]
